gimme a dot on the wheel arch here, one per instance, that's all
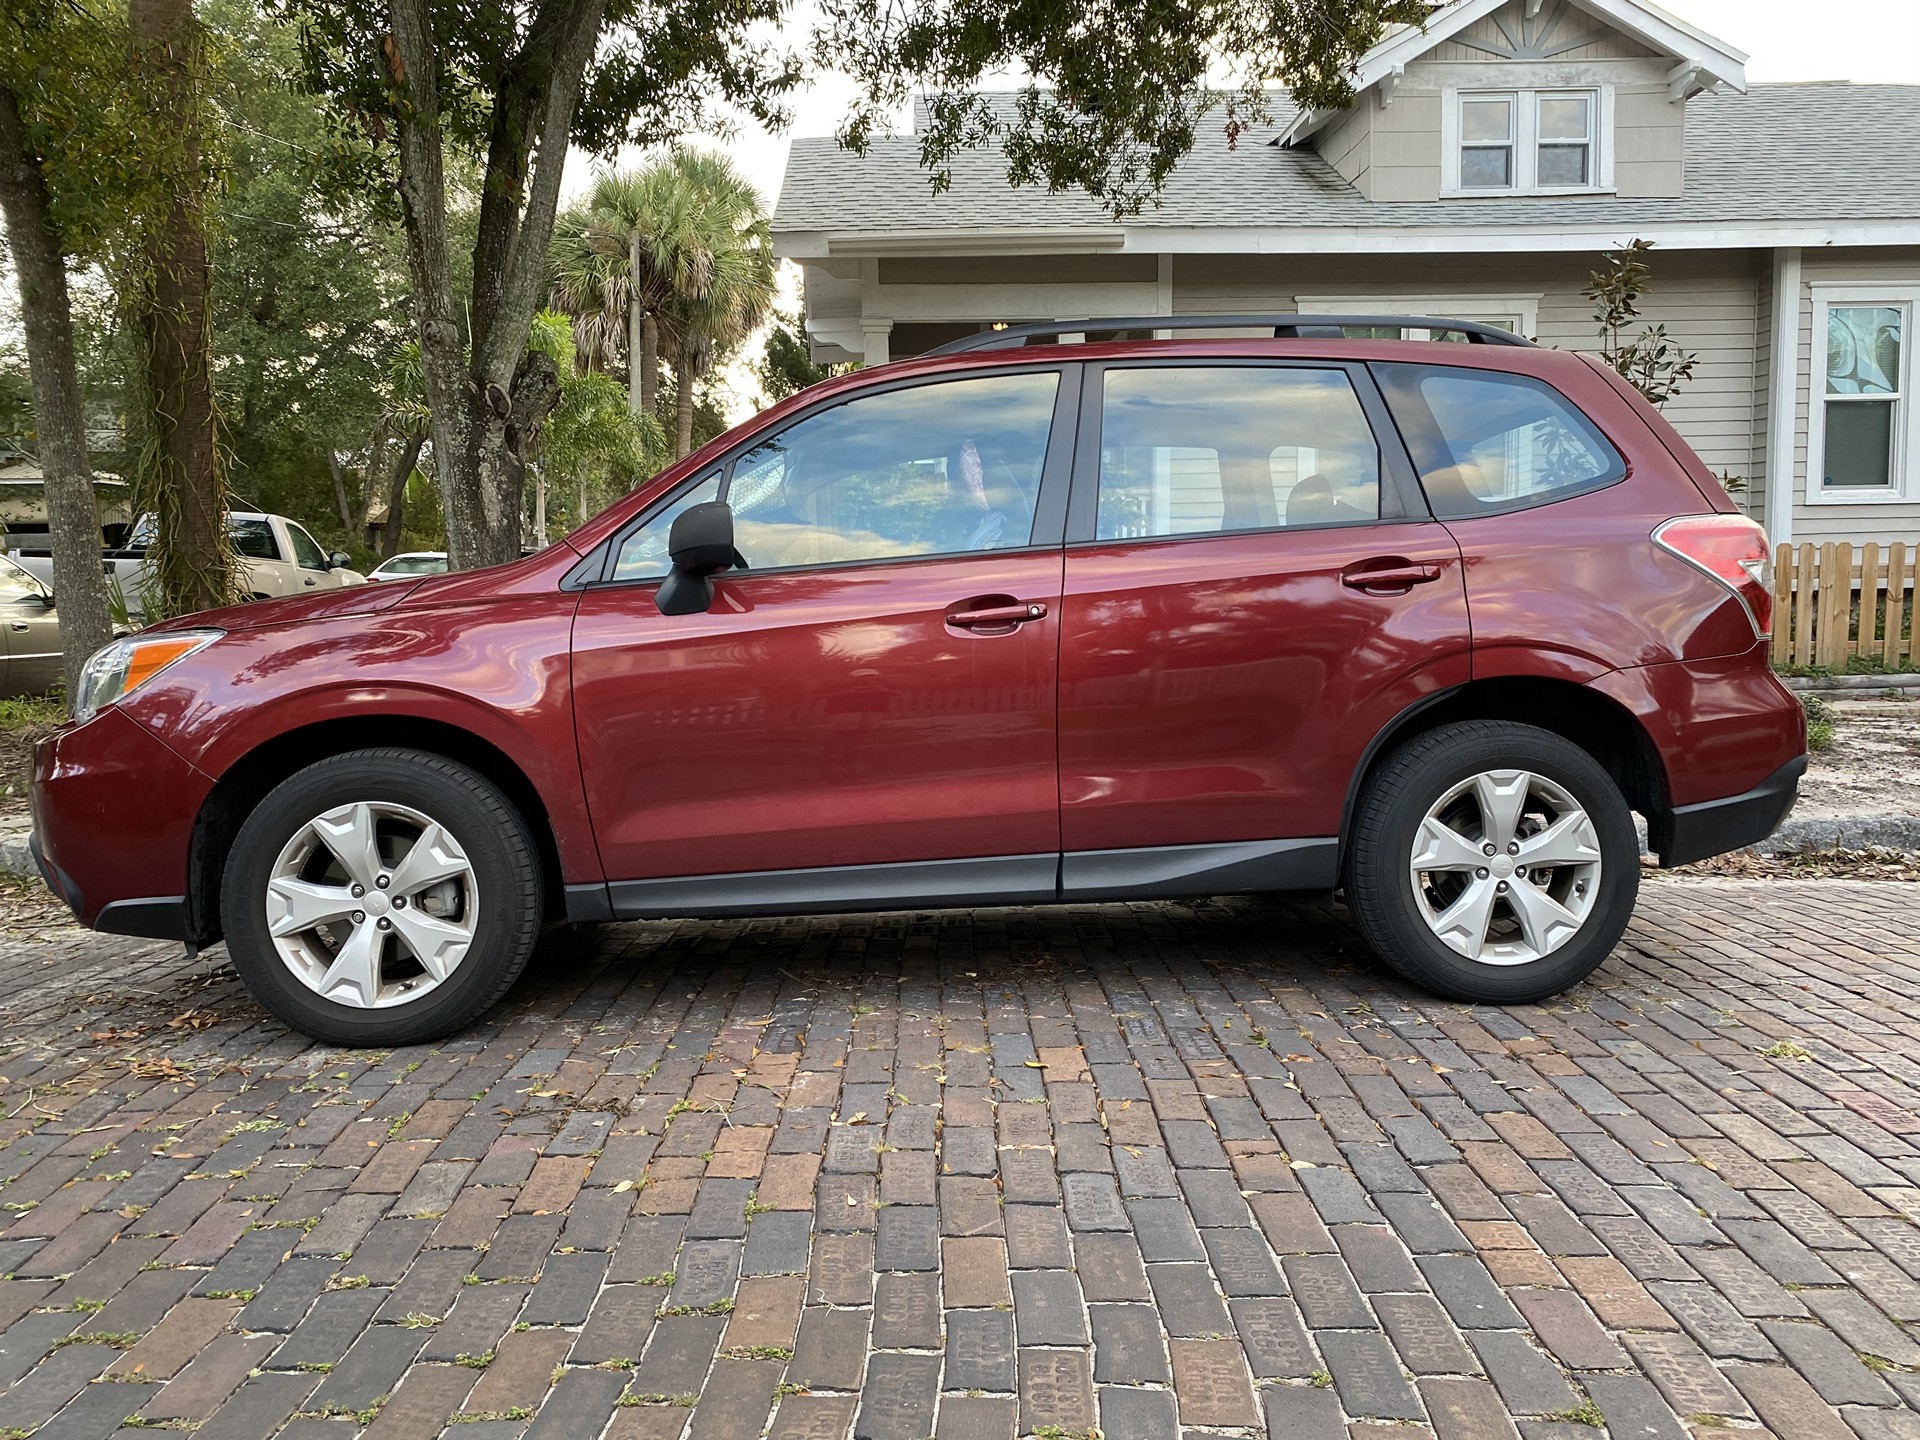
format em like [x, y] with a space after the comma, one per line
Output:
[245, 782]
[1597, 723]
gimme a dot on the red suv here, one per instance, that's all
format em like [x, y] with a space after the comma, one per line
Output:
[1008, 623]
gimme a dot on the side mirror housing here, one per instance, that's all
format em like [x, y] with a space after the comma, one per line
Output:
[339, 560]
[701, 546]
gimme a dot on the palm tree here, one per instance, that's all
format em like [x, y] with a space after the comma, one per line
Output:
[679, 255]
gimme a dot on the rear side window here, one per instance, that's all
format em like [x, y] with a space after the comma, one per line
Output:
[1487, 442]
[1200, 450]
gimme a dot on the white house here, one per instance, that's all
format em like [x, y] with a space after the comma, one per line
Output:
[1488, 162]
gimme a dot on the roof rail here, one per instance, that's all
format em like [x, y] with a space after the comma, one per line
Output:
[1285, 327]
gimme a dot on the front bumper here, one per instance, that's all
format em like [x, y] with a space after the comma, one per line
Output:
[1714, 827]
[113, 816]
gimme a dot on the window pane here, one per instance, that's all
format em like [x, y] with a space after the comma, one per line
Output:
[1486, 169]
[1863, 349]
[1563, 165]
[1564, 117]
[643, 556]
[1485, 120]
[307, 553]
[1202, 450]
[252, 538]
[942, 469]
[1859, 443]
[1485, 441]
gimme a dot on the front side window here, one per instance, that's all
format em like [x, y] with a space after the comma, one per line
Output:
[1520, 141]
[1195, 449]
[643, 554]
[16, 584]
[1865, 396]
[948, 468]
[307, 553]
[1486, 441]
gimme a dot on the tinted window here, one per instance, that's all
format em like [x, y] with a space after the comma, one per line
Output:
[643, 555]
[1486, 442]
[306, 550]
[1193, 450]
[252, 538]
[941, 469]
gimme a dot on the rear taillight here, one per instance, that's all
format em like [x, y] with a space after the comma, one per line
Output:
[1733, 550]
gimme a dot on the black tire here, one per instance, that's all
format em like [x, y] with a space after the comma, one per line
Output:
[1387, 821]
[506, 873]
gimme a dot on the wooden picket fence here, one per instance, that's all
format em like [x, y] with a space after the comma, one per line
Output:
[1833, 601]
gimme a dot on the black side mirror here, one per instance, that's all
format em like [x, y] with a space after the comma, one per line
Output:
[339, 560]
[701, 546]
[46, 599]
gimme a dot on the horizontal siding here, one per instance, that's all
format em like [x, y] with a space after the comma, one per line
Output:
[1860, 522]
[1709, 302]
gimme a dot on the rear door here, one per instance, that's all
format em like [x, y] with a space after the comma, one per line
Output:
[877, 688]
[1253, 590]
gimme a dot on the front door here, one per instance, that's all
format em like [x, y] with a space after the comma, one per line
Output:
[876, 688]
[1255, 592]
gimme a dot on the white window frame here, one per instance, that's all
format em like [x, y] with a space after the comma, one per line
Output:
[1526, 146]
[1520, 310]
[1903, 469]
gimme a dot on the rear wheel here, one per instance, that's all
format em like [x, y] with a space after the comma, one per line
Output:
[1492, 862]
[382, 897]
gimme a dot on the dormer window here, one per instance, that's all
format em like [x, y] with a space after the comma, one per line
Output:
[1525, 142]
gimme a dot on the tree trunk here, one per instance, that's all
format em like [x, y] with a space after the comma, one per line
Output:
[639, 401]
[340, 500]
[397, 496]
[649, 364]
[47, 310]
[683, 410]
[193, 559]
[486, 410]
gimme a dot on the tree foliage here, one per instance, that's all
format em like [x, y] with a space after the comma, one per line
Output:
[1650, 361]
[787, 366]
[1118, 88]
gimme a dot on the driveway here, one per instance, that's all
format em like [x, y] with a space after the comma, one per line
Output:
[1141, 1167]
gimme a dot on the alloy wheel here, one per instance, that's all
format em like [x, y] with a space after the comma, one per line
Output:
[1506, 867]
[372, 904]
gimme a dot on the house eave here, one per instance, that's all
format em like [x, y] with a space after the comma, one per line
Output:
[1356, 240]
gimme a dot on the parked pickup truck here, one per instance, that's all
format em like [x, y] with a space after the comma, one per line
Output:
[277, 555]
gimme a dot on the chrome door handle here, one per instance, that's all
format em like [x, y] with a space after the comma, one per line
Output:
[991, 615]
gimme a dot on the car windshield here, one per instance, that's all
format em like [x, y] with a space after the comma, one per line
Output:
[415, 565]
[252, 538]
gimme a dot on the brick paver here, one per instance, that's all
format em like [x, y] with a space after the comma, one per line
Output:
[1135, 1167]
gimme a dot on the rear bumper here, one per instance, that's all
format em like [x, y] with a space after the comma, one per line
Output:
[1714, 827]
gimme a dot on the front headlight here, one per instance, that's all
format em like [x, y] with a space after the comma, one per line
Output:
[121, 668]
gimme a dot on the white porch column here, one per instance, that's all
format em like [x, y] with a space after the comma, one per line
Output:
[1783, 400]
[875, 335]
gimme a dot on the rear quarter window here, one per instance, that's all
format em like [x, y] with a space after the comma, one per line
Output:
[1486, 442]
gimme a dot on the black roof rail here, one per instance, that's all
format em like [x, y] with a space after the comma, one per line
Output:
[1285, 327]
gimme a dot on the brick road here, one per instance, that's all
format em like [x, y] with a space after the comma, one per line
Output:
[1157, 1169]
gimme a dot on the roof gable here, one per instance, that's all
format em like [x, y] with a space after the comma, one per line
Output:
[1703, 62]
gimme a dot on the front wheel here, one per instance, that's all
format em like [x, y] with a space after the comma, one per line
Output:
[381, 897]
[1492, 862]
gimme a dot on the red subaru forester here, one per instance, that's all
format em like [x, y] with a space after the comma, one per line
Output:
[1009, 623]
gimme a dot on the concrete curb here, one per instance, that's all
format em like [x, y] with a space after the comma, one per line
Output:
[15, 857]
[1842, 683]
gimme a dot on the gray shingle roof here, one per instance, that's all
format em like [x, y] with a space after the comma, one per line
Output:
[1781, 153]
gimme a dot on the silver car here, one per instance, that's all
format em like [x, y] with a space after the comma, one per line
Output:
[32, 653]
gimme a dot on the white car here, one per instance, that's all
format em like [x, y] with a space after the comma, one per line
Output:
[277, 557]
[412, 563]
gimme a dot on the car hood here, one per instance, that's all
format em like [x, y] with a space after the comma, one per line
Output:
[325, 605]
